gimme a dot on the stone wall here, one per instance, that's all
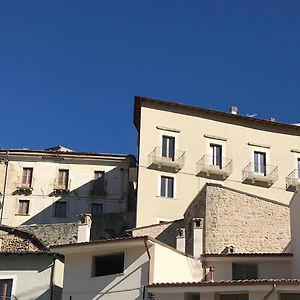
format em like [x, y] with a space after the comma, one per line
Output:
[250, 223]
[165, 232]
[10, 242]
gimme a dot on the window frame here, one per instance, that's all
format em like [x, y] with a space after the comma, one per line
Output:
[54, 209]
[19, 212]
[94, 265]
[97, 204]
[245, 275]
[165, 194]
[25, 182]
[61, 182]
[167, 149]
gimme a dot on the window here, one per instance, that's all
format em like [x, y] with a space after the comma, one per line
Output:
[108, 264]
[168, 147]
[63, 179]
[298, 167]
[27, 177]
[5, 288]
[244, 271]
[260, 162]
[234, 297]
[99, 181]
[292, 296]
[60, 209]
[167, 187]
[23, 208]
[216, 155]
[96, 209]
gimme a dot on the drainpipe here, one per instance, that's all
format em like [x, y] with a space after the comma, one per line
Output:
[270, 292]
[52, 278]
[4, 185]
[149, 257]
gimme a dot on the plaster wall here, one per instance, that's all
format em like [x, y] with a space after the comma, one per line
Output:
[79, 283]
[79, 199]
[189, 133]
[31, 276]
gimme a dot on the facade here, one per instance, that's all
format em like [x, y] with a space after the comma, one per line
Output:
[27, 269]
[57, 184]
[122, 268]
[181, 148]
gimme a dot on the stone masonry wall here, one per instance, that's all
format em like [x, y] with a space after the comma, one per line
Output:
[10, 242]
[250, 223]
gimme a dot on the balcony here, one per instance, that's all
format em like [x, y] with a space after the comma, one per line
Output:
[264, 174]
[24, 186]
[61, 187]
[208, 167]
[98, 187]
[157, 159]
[293, 180]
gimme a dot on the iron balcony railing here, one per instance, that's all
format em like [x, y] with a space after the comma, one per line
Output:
[24, 183]
[261, 173]
[210, 164]
[157, 158]
[293, 179]
[60, 186]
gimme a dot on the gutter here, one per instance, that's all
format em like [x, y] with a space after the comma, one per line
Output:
[52, 279]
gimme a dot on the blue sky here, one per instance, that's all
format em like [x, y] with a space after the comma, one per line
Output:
[69, 69]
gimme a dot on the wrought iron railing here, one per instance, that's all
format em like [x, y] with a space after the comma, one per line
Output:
[177, 160]
[293, 179]
[214, 164]
[261, 172]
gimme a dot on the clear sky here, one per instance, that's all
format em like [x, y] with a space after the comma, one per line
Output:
[69, 69]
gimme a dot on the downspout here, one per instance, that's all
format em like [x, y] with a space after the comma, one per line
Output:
[4, 187]
[270, 292]
[52, 278]
[149, 265]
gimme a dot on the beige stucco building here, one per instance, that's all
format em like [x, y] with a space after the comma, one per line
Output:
[57, 184]
[183, 147]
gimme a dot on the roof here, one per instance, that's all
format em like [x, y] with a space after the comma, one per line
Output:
[227, 283]
[140, 100]
[101, 242]
[26, 235]
[246, 254]
[6, 151]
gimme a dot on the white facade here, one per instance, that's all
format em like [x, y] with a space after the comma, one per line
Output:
[145, 261]
[34, 200]
[177, 157]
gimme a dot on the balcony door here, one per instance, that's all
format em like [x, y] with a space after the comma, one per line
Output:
[298, 168]
[168, 147]
[260, 163]
[216, 155]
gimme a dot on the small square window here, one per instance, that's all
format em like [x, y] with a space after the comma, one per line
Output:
[60, 209]
[244, 271]
[108, 264]
[23, 208]
[167, 187]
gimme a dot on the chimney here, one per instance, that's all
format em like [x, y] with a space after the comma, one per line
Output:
[233, 110]
[84, 228]
[180, 239]
[198, 237]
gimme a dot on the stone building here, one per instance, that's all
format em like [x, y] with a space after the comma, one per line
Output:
[57, 184]
[183, 147]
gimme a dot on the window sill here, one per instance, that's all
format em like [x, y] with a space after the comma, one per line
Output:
[26, 215]
[60, 217]
[116, 274]
[169, 198]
